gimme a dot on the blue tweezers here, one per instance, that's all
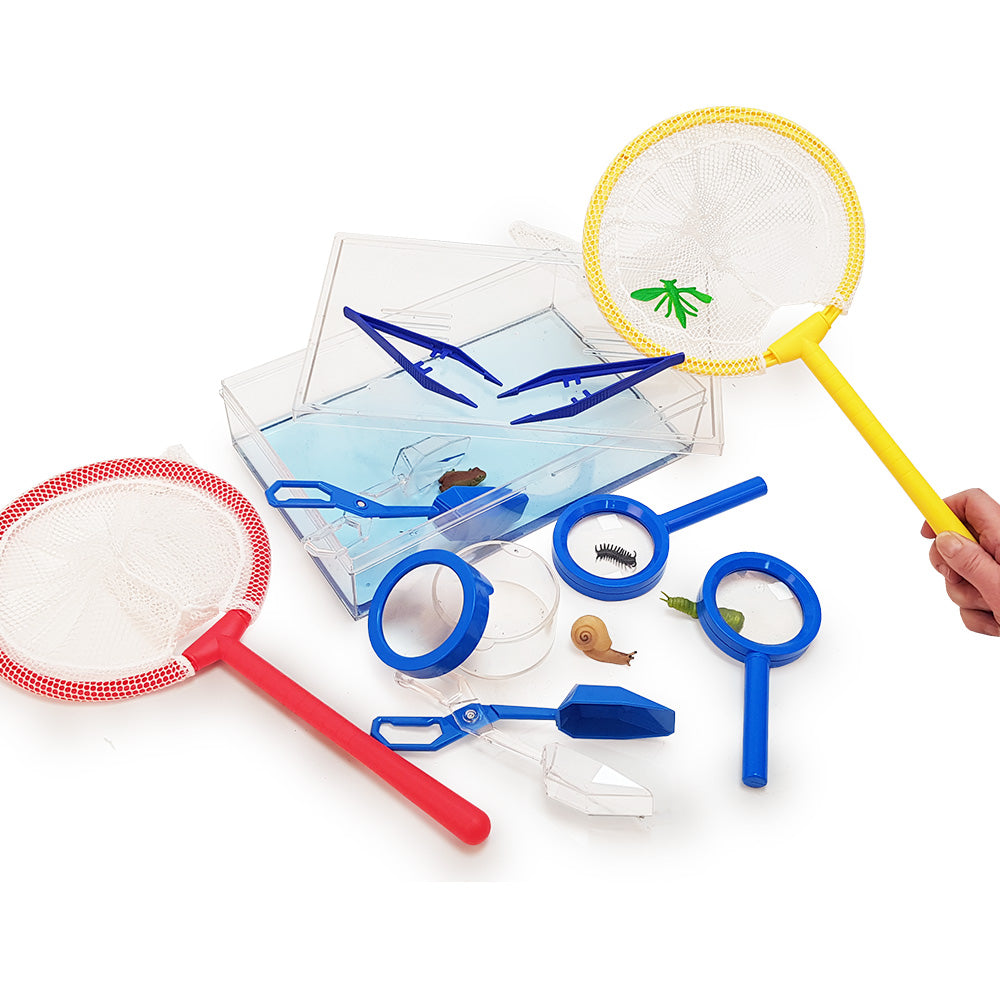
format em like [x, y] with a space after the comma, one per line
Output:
[643, 368]
[419, 369]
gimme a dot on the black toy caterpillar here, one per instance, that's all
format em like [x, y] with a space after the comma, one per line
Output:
[616, 553]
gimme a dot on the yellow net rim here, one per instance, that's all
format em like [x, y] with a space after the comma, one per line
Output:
[679, 123]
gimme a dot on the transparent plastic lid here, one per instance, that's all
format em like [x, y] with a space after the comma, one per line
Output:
[345, 411]
[516, 312]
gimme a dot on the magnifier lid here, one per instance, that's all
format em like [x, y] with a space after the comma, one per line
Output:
[607, 588]
[462, 639]
[738, 646]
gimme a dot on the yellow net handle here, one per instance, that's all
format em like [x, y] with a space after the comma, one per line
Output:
[803, 342]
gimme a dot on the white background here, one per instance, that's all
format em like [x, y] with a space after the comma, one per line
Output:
[171, 179]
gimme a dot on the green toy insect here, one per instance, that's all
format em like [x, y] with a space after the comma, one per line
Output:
[673, 296]
[734, 619]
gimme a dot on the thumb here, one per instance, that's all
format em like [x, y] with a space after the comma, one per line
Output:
[972, 562]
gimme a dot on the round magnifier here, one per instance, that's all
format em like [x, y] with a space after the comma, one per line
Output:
[781, 617]
[404, 628]
[613, 548]
[489, 609]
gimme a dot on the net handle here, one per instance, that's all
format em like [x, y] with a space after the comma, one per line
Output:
[803, 342]
[222, 643]
[938, 514]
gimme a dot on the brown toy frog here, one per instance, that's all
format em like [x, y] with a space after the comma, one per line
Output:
[461, 477]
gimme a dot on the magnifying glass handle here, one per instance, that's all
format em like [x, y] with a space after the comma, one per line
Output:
[756, 690]
[715, 503]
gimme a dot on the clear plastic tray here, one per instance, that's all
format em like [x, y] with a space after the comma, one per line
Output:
[343, 411]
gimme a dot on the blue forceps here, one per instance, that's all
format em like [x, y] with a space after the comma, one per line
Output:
[418, 370]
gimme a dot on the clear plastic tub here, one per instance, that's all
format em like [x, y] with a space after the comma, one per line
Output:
[342, 411]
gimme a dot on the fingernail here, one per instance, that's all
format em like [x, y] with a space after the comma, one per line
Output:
[949, 544]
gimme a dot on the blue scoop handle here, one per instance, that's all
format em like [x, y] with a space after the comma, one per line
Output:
[713, 504]
[450, 730]
[589, 711]
[453, 727]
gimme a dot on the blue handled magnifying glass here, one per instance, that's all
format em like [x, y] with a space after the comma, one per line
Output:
[612, 548]
[408, 632]
[781, 617]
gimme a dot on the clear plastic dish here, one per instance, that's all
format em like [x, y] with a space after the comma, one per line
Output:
[520, 627]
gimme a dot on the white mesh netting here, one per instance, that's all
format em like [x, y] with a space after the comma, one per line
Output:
[102, 580]
[736, 210]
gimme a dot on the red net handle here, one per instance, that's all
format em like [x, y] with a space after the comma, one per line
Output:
[222, 644]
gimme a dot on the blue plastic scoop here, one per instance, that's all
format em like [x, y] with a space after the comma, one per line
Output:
[589, 711]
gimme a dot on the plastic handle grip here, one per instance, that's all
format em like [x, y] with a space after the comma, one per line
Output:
[222, 643]
[938, 514]
[714, 504]
[449, 731]
[524, 712]
[327, 500]
[756, 693]
[335, 498]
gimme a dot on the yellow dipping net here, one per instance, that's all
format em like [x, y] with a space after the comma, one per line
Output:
[747, 208]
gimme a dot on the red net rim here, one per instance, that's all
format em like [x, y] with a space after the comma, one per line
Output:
[176, 669]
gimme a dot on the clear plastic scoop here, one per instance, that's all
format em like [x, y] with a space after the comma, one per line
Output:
[568, 776]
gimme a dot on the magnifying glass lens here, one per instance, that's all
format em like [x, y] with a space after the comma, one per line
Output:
[610, 545]
[411, 623]
[771, 611]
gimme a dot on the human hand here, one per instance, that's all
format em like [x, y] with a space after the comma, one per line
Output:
[971, 572]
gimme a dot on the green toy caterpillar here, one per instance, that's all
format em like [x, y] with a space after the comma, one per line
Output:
[734, 619]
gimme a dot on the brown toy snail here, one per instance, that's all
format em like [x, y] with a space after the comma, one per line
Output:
[590, 635]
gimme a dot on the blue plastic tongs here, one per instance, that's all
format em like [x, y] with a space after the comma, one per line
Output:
[589, 711]
[335, 498]
[419, 369]
[497, 511]
[642, 367]
[568, 776]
